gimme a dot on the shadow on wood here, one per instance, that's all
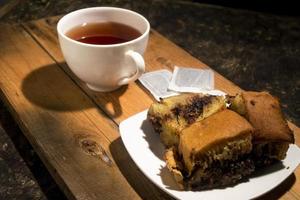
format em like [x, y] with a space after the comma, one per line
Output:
[41, 88]
[145, 188]
[107, 101]
[110, 101]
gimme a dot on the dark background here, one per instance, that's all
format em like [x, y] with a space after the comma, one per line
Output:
[289, 8]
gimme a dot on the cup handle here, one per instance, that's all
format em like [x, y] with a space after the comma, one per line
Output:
[140, 67]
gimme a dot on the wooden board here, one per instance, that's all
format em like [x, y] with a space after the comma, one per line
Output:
[77, 142]
[75, 130]
[157, 56]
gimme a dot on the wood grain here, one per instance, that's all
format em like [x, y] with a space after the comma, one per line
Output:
[157, 56]
[161, 53]
[44, 31]
[75, 130]
[78, 143]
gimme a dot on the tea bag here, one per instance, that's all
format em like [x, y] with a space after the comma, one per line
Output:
[157, 82]
[191, 80]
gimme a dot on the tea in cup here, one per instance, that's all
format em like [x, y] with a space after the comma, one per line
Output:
[103, 46]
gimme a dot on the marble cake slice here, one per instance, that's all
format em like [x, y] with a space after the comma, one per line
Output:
[213, 152]
[169, 116]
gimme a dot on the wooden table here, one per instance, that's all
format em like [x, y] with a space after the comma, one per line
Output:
[75, 130]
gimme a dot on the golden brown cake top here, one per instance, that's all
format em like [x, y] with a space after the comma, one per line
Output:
[171, 115]
[264, 113]
[203, 136]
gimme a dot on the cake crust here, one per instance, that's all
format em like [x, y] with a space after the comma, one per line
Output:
[264, 113]
[213, 132]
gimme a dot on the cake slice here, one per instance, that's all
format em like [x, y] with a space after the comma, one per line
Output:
[214, 152]
[272, 134]
[171, 115]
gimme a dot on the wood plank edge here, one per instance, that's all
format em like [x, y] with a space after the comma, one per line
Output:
[105, 112]
[58, 179]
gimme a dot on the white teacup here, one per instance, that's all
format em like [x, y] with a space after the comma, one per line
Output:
[104, 67]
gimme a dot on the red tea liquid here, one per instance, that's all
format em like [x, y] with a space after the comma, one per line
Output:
[104, 33]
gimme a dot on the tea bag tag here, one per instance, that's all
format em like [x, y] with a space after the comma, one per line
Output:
[157, 82]
[191, 80]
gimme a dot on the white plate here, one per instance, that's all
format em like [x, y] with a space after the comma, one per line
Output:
[145, 148]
